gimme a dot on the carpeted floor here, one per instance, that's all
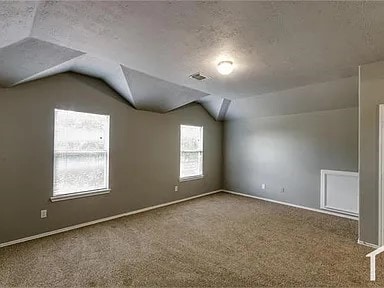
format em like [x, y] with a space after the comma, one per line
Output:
[218, 240]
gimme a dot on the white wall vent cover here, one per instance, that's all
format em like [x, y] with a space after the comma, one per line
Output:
[339, 192]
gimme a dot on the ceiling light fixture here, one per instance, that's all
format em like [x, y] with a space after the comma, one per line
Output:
[225, 67]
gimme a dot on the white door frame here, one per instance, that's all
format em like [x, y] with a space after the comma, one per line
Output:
[381, 192]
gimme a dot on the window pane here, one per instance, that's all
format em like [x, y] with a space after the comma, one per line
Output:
[191, 138]
[77, 172]
[81, 152]
[75, 131]
[191, 164]
[191, 156]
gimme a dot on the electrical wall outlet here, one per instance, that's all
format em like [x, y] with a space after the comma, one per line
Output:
[43, 214]
[176, 188]
[263, 186]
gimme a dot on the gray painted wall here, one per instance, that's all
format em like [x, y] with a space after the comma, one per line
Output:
[289, 151]
[144, 159]
[371, 94]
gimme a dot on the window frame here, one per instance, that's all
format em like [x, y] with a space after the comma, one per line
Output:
[194, 177]
[85, 193]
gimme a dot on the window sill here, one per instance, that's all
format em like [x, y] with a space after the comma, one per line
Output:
[79, 195]
[191, 178]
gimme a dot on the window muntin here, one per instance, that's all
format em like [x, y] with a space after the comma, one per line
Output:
[191, 151]
[81, 152]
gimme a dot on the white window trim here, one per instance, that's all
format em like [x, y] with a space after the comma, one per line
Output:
[194, 177]
[191, 178]
[77, 195]
[82, 194]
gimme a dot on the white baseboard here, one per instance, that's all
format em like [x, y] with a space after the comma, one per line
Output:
[171, 203]
[292, 205]
[374, 246]
[102, 220]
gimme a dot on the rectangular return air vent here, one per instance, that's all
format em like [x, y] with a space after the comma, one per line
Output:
[198, 76]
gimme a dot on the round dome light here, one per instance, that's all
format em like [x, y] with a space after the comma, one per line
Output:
[225, 67]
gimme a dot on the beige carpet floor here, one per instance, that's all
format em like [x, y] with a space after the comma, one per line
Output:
[218, 240]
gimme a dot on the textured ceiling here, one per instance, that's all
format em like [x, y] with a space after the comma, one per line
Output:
[337, 94]
[146, 50]
[31, 56]
[151, 93]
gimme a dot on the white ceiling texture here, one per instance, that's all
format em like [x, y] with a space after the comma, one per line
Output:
[147, 50]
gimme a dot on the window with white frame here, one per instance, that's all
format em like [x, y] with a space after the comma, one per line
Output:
[81, 153]
[191, 152]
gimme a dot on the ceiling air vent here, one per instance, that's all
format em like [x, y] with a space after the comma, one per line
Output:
[198, 76]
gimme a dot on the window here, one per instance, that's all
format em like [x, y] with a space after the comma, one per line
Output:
[191, 152]
[81, 153]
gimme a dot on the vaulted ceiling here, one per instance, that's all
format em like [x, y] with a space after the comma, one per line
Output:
[147, 50]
